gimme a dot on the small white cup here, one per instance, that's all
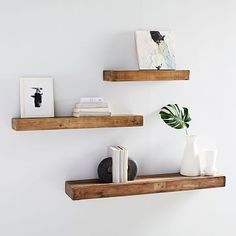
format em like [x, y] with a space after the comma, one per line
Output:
[209, 161]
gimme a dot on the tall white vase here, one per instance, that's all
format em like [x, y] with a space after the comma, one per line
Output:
[191, 163]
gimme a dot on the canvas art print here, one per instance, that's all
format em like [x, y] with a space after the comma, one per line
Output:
[36, 97]
[155, 50]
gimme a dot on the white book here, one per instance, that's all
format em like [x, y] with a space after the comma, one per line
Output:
[80, 114]
[115, 154]
[91, 110]
[123, 164]
[126, 164]
[91, 99]
[92, 105]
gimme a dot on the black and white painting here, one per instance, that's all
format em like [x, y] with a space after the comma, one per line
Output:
[155, 50]
[36, 97]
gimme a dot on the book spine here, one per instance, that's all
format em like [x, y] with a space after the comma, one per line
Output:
[92, 105]
[91, 99]
[80, 114]
[121, 164]
[125, 166]
[115, 164]
[91, 110]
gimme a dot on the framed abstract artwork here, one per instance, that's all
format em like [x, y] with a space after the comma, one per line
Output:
[36, 97]
[155, 50]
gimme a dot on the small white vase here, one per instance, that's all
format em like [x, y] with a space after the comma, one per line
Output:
[209, 157]
[191, 163]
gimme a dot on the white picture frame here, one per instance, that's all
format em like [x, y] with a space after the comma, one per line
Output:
[36, 97]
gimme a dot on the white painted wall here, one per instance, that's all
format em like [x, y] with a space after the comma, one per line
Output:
[73, 41]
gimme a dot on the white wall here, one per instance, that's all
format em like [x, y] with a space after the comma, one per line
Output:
[73, 41]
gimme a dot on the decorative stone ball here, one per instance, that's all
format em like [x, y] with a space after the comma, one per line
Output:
[105, 170]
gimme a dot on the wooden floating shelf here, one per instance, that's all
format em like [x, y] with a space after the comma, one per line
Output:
[145, 75]
[88, 189]
[26, 124]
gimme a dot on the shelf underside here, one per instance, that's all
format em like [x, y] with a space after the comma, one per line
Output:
[145, 75]
[88, 189]
[26, 124]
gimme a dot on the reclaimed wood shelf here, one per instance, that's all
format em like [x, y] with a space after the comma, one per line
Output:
[145, 75]
[27, 124]
[88, 189]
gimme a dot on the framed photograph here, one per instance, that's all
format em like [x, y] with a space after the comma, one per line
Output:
[36, 97]
[155, 50]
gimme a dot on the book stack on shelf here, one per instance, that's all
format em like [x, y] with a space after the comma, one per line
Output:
[91, 106]
[119, 156]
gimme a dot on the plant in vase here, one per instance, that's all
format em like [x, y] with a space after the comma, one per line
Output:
[178, 118]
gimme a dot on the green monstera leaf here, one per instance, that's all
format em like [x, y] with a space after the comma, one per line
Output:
[175, 116]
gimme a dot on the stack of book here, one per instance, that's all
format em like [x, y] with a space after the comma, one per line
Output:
[91, 106]
[119, 156]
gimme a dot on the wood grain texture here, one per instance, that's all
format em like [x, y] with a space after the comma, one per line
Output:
[88, 189]
[26, 124]
[145, 75]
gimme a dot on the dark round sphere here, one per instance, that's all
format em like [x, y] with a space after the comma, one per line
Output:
[132, 169]
[105, 170]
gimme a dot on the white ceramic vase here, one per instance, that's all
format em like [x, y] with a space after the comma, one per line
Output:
[191, 162]
[209, 158]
